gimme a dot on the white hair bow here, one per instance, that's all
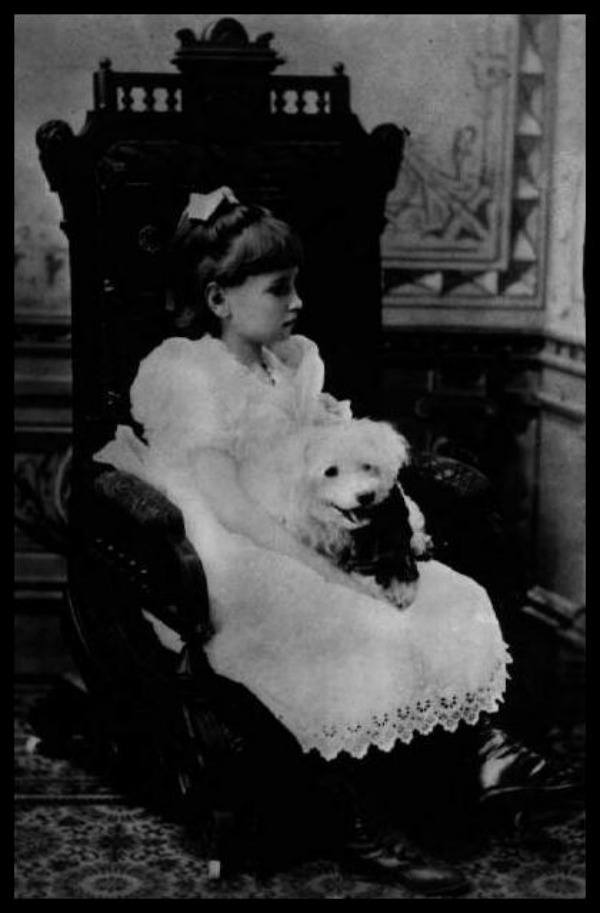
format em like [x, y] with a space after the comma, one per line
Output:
[201, 206]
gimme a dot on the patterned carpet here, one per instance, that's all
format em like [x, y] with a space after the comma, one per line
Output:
[76, 838]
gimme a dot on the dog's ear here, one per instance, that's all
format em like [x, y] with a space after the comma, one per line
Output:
[394, 447]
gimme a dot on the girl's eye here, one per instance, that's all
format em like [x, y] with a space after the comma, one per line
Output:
[280, 290]
[367, 467]
[331, 471]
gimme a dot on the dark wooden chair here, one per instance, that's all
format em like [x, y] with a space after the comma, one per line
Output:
[199, 746]
[175, 733]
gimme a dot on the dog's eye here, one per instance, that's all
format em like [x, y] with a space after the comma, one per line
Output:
[367, 467]
[331, 471]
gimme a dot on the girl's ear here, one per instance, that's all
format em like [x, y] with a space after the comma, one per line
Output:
[216, 299]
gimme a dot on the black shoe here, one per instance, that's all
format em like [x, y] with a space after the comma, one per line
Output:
[508, 770]
[366, 855]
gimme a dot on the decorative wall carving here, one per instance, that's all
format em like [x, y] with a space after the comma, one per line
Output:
[468, 230]
[41, 270]
[448, 207]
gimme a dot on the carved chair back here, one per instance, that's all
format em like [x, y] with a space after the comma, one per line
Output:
[291, 143]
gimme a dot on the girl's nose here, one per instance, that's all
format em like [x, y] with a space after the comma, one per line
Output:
[296, 302]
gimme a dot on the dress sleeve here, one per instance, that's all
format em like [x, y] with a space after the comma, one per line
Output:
[330, 409]
[175, 398]
[317, 406]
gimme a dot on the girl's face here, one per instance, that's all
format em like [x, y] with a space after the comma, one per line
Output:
[262, 310]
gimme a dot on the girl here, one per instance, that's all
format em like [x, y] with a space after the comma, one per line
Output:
[341, 670]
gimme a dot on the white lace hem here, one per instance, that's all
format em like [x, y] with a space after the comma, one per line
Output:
[403, 723]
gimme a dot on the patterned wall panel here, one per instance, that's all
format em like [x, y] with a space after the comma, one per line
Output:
[465, 237]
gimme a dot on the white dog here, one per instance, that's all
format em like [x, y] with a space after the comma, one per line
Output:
[336, 488]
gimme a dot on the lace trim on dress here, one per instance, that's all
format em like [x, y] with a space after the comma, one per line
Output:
[401, 724]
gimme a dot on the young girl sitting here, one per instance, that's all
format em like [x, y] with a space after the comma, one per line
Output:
[343, 671]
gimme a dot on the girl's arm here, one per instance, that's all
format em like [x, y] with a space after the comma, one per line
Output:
[216, 477]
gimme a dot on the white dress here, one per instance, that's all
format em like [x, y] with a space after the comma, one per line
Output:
[342, 670]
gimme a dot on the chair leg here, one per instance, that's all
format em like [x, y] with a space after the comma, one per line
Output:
[221, 828]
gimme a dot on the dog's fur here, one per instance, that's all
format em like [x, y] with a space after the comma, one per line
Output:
[336, 488]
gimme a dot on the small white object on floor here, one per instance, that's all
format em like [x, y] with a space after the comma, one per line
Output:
[32, 743]
[214, 869]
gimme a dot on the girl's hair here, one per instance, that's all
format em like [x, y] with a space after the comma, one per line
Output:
[236, 242]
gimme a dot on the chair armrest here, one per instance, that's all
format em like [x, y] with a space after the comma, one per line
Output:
[137, 530]
[447, 476]
[465, 523]
[141, 502]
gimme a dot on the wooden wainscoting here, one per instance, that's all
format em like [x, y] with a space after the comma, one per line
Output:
[471, 395]
[41, 465]
[512, 404]
[559, 514]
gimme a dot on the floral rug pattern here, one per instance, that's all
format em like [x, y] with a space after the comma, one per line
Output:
[77, 838]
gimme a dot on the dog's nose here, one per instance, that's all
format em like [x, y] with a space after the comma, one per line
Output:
[366, 498]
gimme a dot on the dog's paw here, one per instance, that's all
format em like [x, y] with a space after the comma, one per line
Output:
[421, 544]
[367, 585]
[401, 593]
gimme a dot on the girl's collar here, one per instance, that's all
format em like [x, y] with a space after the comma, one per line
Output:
[266, 370]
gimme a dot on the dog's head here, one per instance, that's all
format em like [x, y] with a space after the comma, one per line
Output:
[349, 468]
